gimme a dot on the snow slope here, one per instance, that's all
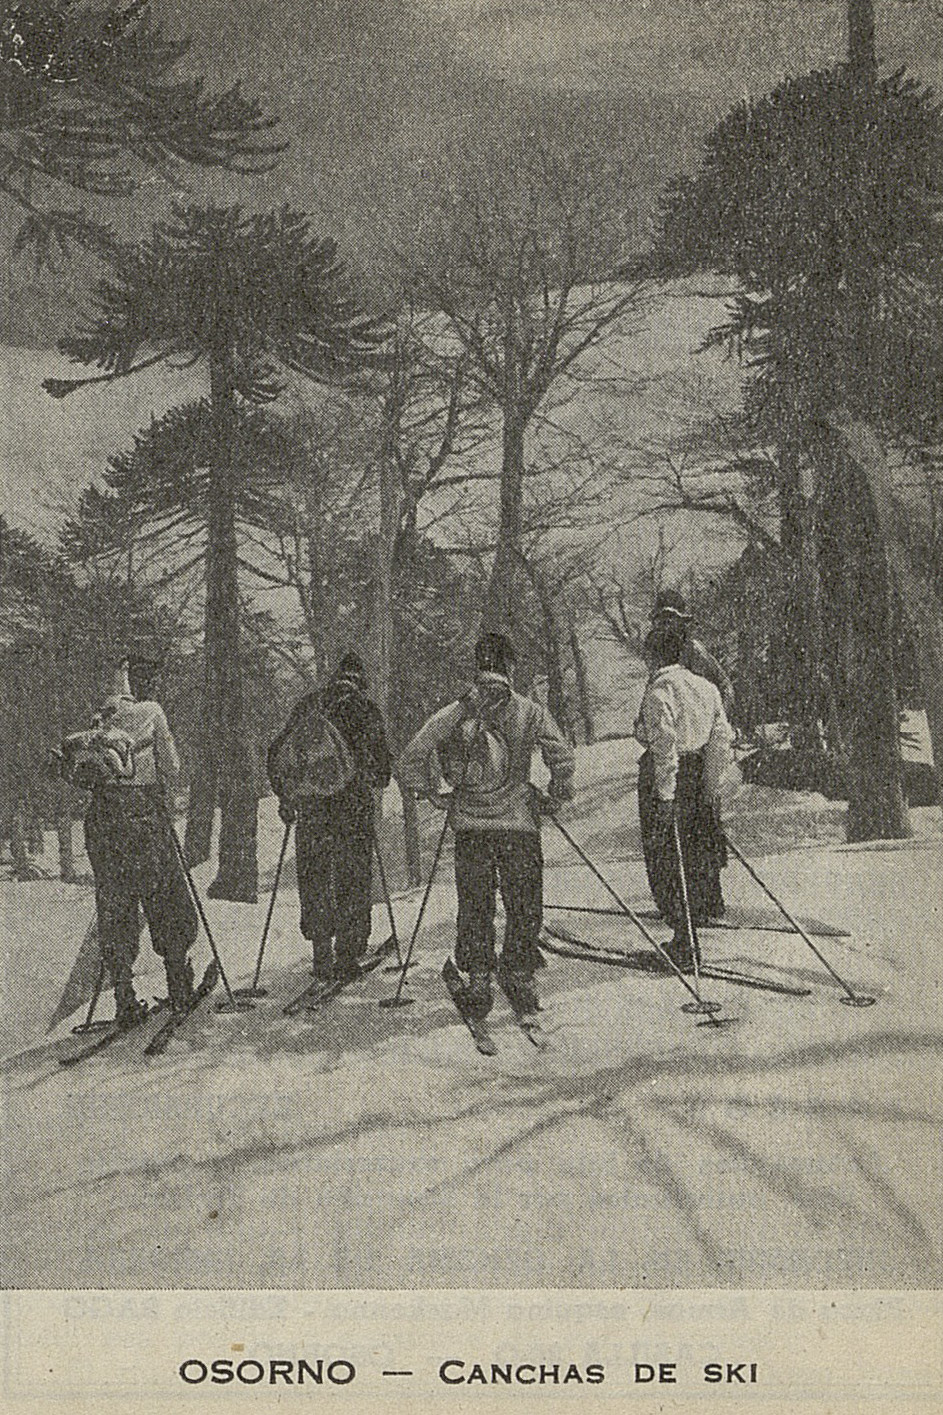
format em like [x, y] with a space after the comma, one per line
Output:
[368, 1148]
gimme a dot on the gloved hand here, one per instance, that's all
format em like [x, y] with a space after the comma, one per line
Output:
[665, 814]
[287, 813]
[547, 805]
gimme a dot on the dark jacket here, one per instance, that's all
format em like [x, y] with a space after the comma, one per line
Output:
[360, 723]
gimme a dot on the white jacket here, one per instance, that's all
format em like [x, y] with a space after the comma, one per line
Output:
[155, 754]
[682, 712]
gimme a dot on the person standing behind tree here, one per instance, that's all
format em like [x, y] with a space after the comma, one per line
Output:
[482, 746]
[325, 765]
[686, 735]
[671, 612]
[129, 762]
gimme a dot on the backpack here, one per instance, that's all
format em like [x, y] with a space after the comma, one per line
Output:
[476, 756]
[102, 756]
[310, 757]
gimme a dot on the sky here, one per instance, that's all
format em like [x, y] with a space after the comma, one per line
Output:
[379, 98]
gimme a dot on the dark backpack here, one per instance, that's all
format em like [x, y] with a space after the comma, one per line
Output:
[310, 757]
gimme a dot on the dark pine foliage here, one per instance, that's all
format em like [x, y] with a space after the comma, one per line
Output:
[801, 194]
[251, 298]
[253, 292]
[90, 100]
[823, 198]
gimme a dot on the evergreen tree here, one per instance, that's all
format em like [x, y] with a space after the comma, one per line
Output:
[90, 100]
[823, 199]
[249, 297]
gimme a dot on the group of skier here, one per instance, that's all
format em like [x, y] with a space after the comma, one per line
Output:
[472, 759]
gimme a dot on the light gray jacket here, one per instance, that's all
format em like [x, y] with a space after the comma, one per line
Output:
[482, 746]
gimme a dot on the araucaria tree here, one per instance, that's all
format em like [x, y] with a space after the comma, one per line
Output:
[89, 101]
[249, 298]
[823, 199]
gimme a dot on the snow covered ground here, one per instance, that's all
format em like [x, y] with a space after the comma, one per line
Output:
[367, 1148]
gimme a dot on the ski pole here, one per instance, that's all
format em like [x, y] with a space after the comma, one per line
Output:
[851, 998]
[397, 1000]
[88, 1025]
[685, 898]
[255, 990]
[231, 1005]
[386, 894]
[707, 1007]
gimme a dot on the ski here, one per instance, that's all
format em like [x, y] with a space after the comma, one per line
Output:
[744, 919]
[743, 980]
[112, 1034]
[162, 1037]
[647, 961]
[454, 982]
[528, 1022]
[739, 919]
[310, 992]
[365, 966]
[643, 961]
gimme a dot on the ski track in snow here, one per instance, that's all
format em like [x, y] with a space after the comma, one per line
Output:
[356, 1147]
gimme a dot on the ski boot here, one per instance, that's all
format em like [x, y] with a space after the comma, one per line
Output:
[479, 997]
[520, 989]
[129, 1009]
[680, 952]
[346, 967]
[322, 961]
[179, 984]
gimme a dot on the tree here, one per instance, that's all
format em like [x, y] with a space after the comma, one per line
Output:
[822, 199]
[521, 262]
[59, 640]
[911, 533]
[250, 298]
[89, 102]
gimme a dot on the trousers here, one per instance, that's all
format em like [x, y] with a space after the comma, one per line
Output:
[128, 841]
[703, 847]
[334, 880]
[486, 860]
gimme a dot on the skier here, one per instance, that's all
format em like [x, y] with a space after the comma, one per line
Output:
[671, 612]
[130, 763]
[325, 766]
[481, 746]
[686, 735]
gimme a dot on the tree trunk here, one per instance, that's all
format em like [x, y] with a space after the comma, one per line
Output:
[19, 831]
[201, 809]
[803, 626]
[912, 557]
[876, 806]
[862, 52]
[583, 692]
[504, 597]
[66, 852]
[384, 629]
[238, 877]
[411, 838]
